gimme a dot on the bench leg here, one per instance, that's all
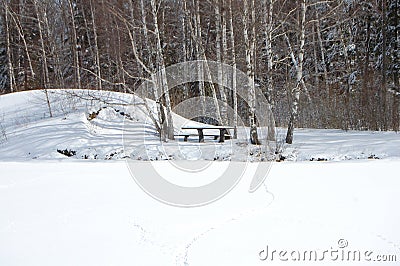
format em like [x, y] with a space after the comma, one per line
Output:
[185, 139]
[201, 135]
[222, 135]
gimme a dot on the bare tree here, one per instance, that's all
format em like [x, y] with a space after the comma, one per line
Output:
[96, 46]
[8, 48]
[298, 65]
[323, 52]
[221, 89]
[22, 36]
[75, 46]
[197, 36]
[234, 77]
[162, 76]
[204, 68]
[268, 28]
[45, 67]
[250, 41]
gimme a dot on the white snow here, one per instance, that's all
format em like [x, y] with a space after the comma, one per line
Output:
[90, 213]
[31, 134]
[339, 145]
[58, 210]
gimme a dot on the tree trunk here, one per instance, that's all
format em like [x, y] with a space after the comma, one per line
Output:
[268, 27]
[268, 12]
[316, 63]
[365, 94]
[21, 34]
[383, 90]
[96, 48]
[298, 63]
[162, 73]
[396, 78]
[44, 57]
[184, 56]
[8, 44]
[199, 52]
[143, 67]
[221, 89]
[396, 110]
[234, 81]
[249, 47]
[323, 60]
[201, 55]
[75, 47]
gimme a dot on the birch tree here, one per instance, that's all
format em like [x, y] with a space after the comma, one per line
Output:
[162, 76]
[298, 65]
[75, 46]
[323, 52]
[45, 68]
[249, 39]
[203, 69]
[141, 59]
[8, 48]
[96, 46]
[221, 89]
[234, 73]
[197, 36]
[268, 28]
[24, 51]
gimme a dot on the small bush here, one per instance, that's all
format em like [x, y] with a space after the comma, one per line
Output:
[66, 152]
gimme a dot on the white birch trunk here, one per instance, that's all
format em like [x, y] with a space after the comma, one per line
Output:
[9, 59]
[323, 60]
[299, 73]
[198, 40]
[202, 56]
[316, 69]
[268, 12]
[143, 66]
[96, 48]
[268, 27]
[22, 36]
[221, 89]
[44, 57]
[162, 73]
[234, 79]
[249, 50]
[75, 49]
[184, 46]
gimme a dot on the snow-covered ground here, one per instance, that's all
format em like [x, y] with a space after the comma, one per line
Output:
[120, 129]
[88, 210]
[27, 132]
[85, 213]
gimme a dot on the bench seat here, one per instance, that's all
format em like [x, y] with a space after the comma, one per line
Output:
[216, 136]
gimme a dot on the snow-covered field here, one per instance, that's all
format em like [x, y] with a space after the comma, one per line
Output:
[88, 210]
[80, 213]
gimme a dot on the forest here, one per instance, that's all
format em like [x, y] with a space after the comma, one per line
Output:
[319, 63]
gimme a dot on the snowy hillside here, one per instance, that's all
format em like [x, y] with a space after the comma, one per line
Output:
[27, 132]
[74, 132]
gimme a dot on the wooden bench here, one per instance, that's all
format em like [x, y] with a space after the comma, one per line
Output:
[186, 136]
[223, 132]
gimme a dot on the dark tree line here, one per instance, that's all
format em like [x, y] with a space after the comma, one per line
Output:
[320, 63]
